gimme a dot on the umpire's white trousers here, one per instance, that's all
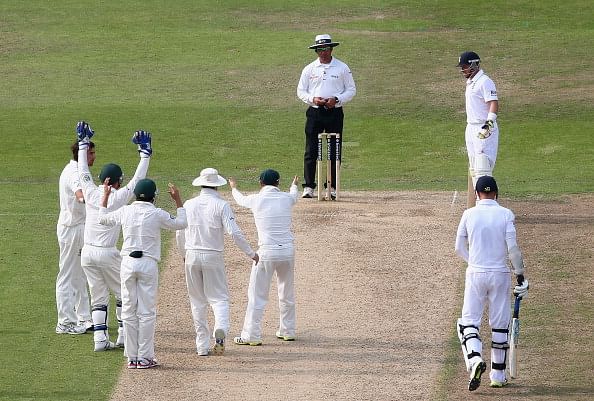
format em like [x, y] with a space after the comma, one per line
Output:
[475, 146]
[206, 281]
[72, 298]
[492, 289]
[140, 280]
[271, 261]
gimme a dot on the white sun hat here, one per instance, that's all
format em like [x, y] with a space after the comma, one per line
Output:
[323, 41]
[209, 177]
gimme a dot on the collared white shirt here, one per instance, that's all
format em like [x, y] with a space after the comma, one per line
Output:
[480, 89]
[141, 223]
[72, 212]
[209, 217]
[98, 234]
[485, 234]
[272, 209]
[326, 80]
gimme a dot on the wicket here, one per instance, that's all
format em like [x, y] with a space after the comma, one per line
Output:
[321, 137]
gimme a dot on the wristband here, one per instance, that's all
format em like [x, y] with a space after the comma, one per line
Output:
[492, 116]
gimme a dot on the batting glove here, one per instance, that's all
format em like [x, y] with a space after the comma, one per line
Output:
[485, 131]
[521, 290]
[84, 132]
[143, 140]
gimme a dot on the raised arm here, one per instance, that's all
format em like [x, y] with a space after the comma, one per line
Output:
[240, 198]
[293, 190]
[84, 133]
[180, 221]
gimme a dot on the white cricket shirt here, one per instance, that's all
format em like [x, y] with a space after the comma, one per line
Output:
[98, 234]
[480, 89]
[326, 80]
[72, 212]
[484, 235]
[141, 224]
[209, 217]
[272, 209]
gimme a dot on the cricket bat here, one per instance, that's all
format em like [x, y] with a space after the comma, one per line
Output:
[513, 344]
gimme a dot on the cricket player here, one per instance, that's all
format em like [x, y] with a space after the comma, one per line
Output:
[72, 298]
[325, 85]
[482, 131]
[101, 259]
[272, 211]
[485, 239]
[141, 223]
[202, 244]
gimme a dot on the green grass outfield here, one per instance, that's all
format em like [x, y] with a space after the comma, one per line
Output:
[215, 84]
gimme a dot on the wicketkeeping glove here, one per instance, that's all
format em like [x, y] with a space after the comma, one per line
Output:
[485, 131]
[521, 290]
[84, 132]
[143, 140]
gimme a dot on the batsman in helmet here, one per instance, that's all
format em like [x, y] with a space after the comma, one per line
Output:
[482, 131]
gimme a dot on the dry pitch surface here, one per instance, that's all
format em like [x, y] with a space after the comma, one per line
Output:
[378, 291]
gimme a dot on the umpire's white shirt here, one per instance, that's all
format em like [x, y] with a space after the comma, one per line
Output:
[72, 212]
[209, 217]
[326, 80]
[141, 224]
[488, 230]
[480, 89]
[272, 209]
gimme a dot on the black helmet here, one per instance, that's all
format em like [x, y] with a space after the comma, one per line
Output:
[113, 171]
[145, 190]
[468, 58]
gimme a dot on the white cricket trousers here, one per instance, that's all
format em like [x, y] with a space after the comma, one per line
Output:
[206, 281]
[140, 280]
[492, 289]
[271, 261]
[72, 298]
[475, 146]
[102, 268]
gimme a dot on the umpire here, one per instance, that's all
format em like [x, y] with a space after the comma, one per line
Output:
[325, 85]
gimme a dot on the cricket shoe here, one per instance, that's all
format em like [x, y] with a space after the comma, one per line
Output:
[241, 341]
[88, 324]
[103, 345]
[475, 375]
[132, 364]
[120, 341]
[284, 337]
[498, 384]
[307, 192]
[332, 194]
[145, 363]
[219, 347]
[70, 328]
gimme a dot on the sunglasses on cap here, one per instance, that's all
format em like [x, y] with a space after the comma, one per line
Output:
[323, 49]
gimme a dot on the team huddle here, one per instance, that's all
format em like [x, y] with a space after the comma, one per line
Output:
[93, 215]
[131, 274]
